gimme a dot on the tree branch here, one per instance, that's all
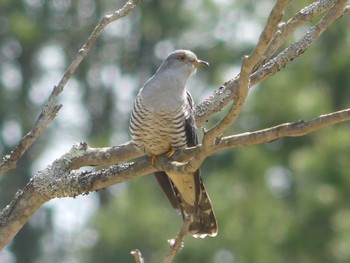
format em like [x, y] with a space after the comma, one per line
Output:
[18, 212]
[286, 29]
[177, 244]
[138, 256]
[56, 180]
[105, 156]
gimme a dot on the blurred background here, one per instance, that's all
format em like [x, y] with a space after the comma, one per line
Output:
[285, 201]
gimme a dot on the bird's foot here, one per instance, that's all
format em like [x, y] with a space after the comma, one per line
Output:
[170, 153]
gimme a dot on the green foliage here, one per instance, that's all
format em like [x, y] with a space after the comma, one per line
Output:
[285, 201]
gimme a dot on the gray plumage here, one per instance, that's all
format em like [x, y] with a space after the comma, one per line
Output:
[162, 120]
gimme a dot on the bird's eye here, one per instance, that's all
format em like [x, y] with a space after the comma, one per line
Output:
[182, 57]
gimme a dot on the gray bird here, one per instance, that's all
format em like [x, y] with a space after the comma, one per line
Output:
[162, 121]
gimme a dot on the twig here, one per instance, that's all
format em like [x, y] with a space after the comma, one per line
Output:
[48, 113]
[138, 256]
[286, 29]
[177, 244]
[50, 110]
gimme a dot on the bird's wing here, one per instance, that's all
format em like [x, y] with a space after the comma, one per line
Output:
[164, 181]
[168, 188]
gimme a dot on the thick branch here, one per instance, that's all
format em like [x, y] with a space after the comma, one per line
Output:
[57, 181]
[18, 212]
[104, 156]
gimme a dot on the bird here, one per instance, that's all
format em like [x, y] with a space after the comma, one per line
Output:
[162, 121]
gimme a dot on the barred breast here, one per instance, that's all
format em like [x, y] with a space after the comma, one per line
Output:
[157, 132]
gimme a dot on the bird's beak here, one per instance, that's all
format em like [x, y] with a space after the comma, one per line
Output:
[198, 63]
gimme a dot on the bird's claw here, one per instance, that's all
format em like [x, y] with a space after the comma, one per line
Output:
[170, 153]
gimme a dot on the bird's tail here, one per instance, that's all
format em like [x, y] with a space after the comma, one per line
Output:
[201, 215]
[190, 197]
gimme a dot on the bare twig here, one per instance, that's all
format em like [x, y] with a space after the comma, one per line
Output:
[286, 29]
[138, 256]
[177, 244]
[48, 113]
[50, 110]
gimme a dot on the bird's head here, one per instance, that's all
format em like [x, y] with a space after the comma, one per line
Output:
[182, 61]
